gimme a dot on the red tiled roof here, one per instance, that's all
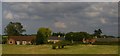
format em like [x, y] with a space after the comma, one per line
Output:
[22, 38]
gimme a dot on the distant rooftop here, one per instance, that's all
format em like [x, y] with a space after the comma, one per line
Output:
[56, 38]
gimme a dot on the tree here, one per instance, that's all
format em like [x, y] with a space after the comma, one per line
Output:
[42, 35]
[58, 33]
[98, 32]
[85, 35]
[77, 36]
[4, 39]
[14, 29]
[69, 36]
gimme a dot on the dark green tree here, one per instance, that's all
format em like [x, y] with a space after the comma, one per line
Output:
[98, 33]
[58, 33]
[14, 29]
[42, 35]
[69, 36]
[85, 35]
[77, 36]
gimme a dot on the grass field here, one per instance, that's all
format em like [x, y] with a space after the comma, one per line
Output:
[47, 49]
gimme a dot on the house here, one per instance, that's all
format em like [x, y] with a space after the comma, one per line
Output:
[23, 40]
[101, 40]
[20, 40]
[89, 40]
[55, 39]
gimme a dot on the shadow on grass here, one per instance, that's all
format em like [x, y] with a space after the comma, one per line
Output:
[60, 55]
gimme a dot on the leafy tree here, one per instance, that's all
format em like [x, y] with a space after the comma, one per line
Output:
[98, 33]
[69, 36]
[77, 36]
[42, 35]
[4, 39]
[118, 36]
[85, 35]
[14, 29]
[58, 33]
[111, 37]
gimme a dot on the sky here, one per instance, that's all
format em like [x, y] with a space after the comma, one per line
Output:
[0, 18]
[60, 0]
[63, 16]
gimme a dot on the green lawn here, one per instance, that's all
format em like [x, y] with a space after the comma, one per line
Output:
[47, 49]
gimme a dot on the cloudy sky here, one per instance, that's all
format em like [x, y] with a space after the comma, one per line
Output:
[0, 18]
[63, 16]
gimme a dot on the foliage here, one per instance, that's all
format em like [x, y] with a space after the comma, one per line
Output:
[42, 35]
[54, 46]
[106, 43]
[77, 36]
[108, 36]
[63, 43]
[98, 33]
[69, 36]
[60, 44]
[4, 39]
[58, 33]
[14, 29]
[118, 37]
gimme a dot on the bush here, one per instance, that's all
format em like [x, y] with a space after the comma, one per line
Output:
[4, 40]
[54, 46]
[59, 47]
[51, 42]
[64, 43]
[62, 46]
[106, 43]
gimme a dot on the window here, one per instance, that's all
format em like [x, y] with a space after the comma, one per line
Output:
[18, 42]
[24, 42]
[10, 42]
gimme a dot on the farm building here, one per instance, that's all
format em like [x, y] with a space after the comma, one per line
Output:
[89, 40]
[107, 39]
[102, 40]
[20, 40]
[23, 40]
[55, 39]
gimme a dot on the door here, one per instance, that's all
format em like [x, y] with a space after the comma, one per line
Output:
[18, 42]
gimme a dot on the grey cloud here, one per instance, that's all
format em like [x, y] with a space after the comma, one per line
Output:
[72, 16]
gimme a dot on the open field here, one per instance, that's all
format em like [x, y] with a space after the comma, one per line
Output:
[47, 49]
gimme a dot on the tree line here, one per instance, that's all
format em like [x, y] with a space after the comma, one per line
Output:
[16, 29]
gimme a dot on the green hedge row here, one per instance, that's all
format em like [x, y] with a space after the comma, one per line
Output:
[106, 43]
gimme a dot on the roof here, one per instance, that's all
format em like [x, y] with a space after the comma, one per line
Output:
[22, 38]
[107, 39]
[30, 38]
[56, 38]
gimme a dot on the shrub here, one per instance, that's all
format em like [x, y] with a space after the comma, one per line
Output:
[64, 43]
[106, 43]
[51, 42]
[54, 46]
[59, 47]
[62, 46]
[4, 40]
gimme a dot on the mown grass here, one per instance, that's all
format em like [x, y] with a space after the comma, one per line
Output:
[47, 49]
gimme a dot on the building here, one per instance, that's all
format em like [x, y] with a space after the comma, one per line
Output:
[107, 39]
[24, 40]
[55, 39]
[89, 40]
[21, 40]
